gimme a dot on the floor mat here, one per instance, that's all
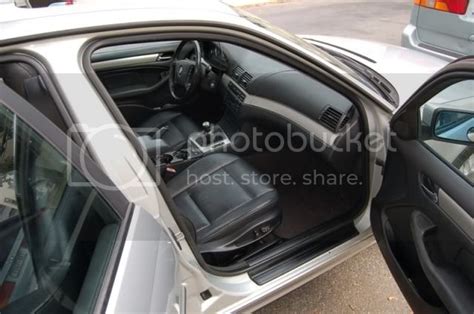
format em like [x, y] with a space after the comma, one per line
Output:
[309, 201]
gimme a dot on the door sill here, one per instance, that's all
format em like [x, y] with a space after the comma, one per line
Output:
[283, 257]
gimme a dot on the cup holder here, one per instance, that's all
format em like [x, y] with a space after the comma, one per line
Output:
[166, 158]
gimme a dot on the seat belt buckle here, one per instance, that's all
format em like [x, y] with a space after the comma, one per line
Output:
[170, 170]
[161, 131]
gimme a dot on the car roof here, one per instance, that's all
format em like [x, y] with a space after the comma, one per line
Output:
[19, 24]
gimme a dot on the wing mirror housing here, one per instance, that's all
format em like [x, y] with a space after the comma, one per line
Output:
[470, 134]
[454, 126]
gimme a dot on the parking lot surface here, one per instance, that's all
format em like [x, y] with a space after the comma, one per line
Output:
[379, 20]
[362, 284]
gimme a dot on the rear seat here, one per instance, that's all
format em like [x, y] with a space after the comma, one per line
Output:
[27, 83]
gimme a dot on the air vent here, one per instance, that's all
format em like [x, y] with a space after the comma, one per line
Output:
[331, 118]
[237, 73]
[242, 77]
[245, 79]
[344, 122]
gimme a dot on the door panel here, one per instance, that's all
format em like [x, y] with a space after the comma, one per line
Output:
[136, 76]
[423, 215]
[133, 50]
[134, 82]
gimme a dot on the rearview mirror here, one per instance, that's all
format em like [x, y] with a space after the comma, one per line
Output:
[454, 126]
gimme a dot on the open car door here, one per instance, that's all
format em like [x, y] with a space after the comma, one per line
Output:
[70, 241]
[422, 217]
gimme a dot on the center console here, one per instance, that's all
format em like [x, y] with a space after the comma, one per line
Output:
[211, 139]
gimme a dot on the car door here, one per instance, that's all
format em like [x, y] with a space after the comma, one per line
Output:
[69, 240]
[136, 76]
[422, 217]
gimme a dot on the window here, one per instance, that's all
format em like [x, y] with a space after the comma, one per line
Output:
[447, 126]
[55, 237]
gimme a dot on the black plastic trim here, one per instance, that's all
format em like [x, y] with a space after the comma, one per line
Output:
[406, 121]
[114, 261]
[290, 256]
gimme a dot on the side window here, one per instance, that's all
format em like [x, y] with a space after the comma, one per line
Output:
[55, 237]
[447, 126]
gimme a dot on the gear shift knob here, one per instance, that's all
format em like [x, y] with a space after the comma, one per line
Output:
[207, 126]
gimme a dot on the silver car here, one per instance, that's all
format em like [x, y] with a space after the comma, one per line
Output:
[189, 157]
[441, 28]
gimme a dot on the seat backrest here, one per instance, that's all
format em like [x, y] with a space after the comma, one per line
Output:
[26, 82]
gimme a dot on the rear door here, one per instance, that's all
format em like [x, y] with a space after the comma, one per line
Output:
[136, 76]
[422, 217]
[69, 240]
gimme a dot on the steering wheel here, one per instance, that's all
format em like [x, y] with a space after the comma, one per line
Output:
[185, 74]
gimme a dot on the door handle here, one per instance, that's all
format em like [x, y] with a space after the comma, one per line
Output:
[450, 285]
[429, 188]
[163, 57]
[432, 195]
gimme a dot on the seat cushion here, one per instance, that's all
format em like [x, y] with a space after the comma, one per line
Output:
[224, 198]
[179, 127]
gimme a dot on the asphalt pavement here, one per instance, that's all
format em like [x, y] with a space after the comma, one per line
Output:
[379, 20]
[362, 284]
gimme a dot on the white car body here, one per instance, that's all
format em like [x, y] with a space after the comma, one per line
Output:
[155, 273]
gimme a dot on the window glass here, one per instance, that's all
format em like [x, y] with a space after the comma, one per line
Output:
[447, 126]
[55, 237]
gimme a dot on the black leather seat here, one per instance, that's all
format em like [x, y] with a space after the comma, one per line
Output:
[226, 202]
[176, 127]
[27, 83]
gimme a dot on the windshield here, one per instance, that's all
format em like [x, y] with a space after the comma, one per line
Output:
[297, 40]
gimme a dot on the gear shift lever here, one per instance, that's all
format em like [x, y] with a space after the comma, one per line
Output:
[208, 131]
[208, 127]
[211, 138]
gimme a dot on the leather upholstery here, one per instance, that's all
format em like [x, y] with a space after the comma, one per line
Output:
[26, 82]
[179, 127]
[218, 195]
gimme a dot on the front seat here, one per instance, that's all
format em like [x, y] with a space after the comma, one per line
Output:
[174, 127]
[225, 201]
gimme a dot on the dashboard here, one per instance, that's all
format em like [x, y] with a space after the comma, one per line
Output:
[259, 88]
[255, 88]
[252, 74]
[215, 56]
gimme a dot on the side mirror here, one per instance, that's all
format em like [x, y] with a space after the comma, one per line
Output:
[470, 134]
[454, 126]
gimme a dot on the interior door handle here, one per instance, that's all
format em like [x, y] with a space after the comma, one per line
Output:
[451, 286]
[432, 195]
[163, 57]
[429, 188]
